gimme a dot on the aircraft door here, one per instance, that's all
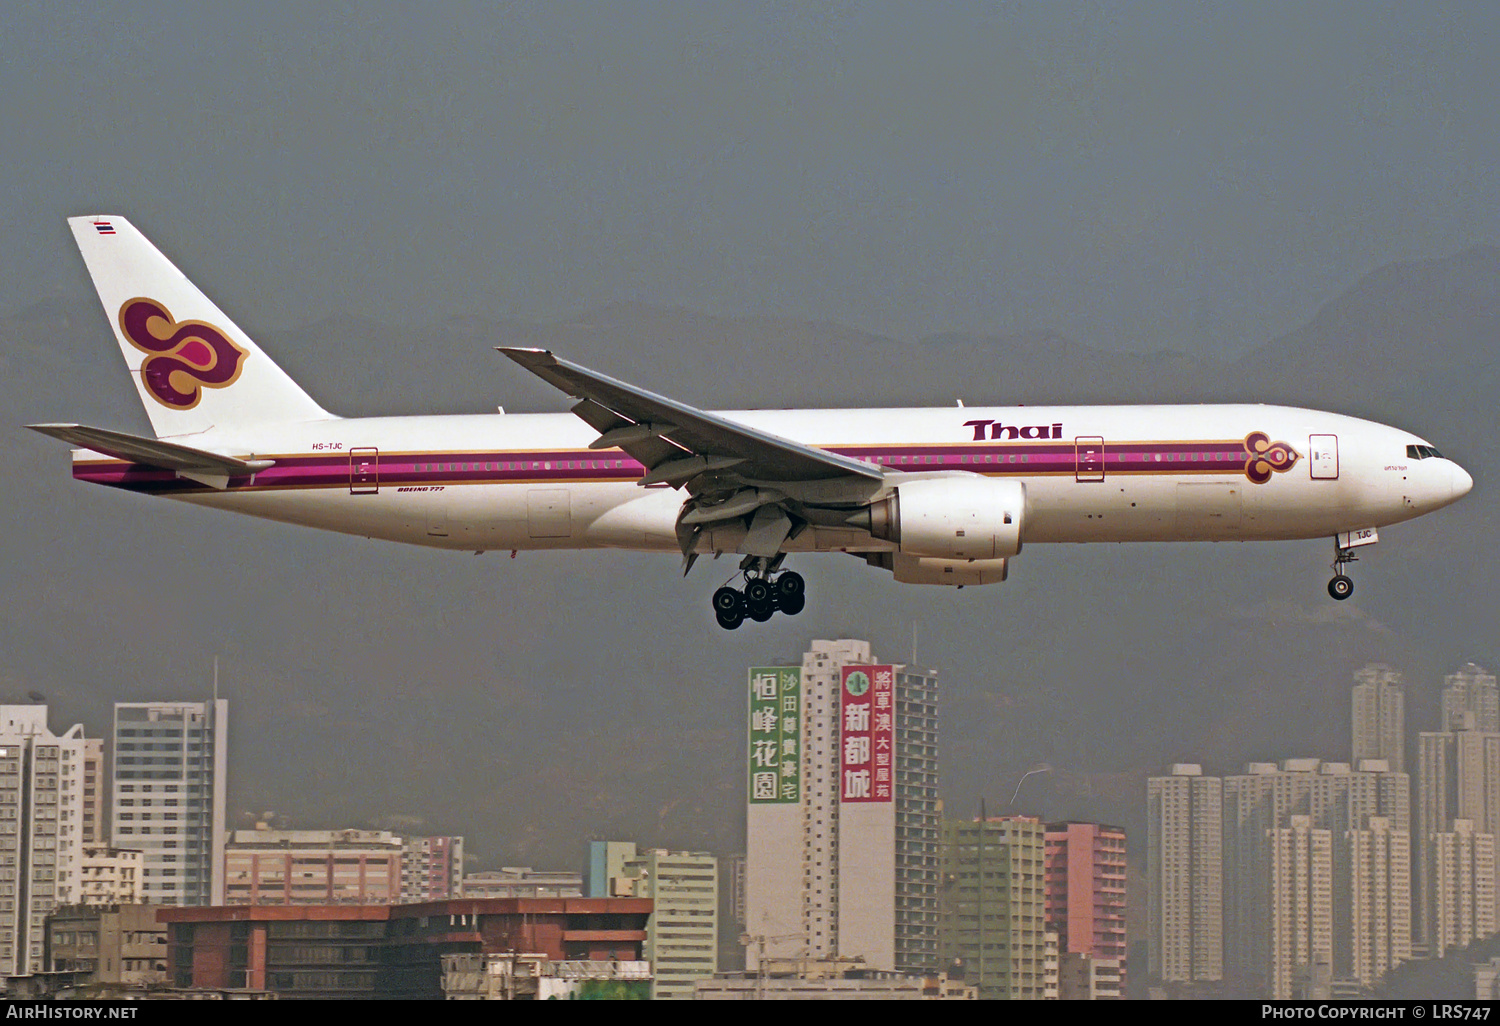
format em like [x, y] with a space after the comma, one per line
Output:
[1323, 457]
[1090, 458]
[364, 471]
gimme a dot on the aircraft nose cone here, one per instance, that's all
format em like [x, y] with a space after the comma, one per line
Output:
[1462, 482]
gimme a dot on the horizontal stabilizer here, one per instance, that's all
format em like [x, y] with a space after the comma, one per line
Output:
[210, 468]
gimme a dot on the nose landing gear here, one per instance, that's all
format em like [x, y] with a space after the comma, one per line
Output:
[766, 593]
[1342, 586]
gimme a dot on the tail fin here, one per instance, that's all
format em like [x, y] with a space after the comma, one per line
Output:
[195, 369]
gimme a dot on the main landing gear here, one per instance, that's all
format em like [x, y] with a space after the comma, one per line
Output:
[766, 593]
[1342, 586]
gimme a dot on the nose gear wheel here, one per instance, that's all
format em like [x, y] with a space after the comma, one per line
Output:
[1342, 585]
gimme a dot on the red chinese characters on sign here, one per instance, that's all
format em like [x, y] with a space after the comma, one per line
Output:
[867, 708]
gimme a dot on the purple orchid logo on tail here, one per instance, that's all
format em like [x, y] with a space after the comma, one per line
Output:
[183, 358]
[1264, 457]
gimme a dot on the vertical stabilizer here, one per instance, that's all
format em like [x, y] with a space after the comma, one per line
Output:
[193, 366]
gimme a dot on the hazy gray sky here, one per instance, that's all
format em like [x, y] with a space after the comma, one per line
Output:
[1135, 175]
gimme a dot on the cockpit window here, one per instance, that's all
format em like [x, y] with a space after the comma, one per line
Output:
[1422, 452]
[1413, 453]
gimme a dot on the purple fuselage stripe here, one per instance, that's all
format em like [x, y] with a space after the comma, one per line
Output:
[392, 470]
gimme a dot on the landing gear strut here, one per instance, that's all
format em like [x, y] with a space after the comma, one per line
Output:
[1342, 586]
[766, 593]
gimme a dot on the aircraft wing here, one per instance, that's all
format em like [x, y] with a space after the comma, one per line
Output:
[211, 468]
[677, 442]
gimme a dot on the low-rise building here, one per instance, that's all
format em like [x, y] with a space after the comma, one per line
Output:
[829, 979]
[1082, 977]
[312, 867]
[508, 976]
[1487, 981]
[387, 951]
[524, 882]
[114, 944]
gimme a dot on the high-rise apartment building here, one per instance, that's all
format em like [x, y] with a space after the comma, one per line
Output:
[917, 814]
[1378, 896]
[1185, 868]
[41, 831]
[1463, 886]
[1336, 798]
[1472, 691]
[170, 769]
[1378, 709]
[732, 913]
[732, 888]
[1085, 894]
[1314, 860]
[1458, 782]
[843, 827]
[1300, 904]
[1458, 779]
[994, 907]
[95, 786]
[1459, 776]
[682, 935]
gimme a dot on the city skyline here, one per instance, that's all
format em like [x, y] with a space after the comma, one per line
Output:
[1337, 836]
[1316, 877]
[1056, 803]
[1465, 672]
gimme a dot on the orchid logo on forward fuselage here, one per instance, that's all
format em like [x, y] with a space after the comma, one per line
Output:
[182, 359]
[1264, 457]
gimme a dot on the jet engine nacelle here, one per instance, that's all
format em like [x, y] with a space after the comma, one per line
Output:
[961, 517]
[925, 570]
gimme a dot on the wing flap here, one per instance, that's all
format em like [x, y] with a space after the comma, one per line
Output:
[609, 405]
[639, 441]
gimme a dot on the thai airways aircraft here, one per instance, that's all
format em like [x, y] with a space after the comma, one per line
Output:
[935, 496]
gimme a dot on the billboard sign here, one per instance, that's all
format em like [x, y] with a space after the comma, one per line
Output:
[775, 761]
[867, 713]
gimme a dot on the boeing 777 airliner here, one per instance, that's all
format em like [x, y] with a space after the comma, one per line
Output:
[935, 496]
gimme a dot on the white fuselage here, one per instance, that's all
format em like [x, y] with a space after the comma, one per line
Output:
[1095, 473]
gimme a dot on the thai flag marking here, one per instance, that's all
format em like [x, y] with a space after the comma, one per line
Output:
[104, 228]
